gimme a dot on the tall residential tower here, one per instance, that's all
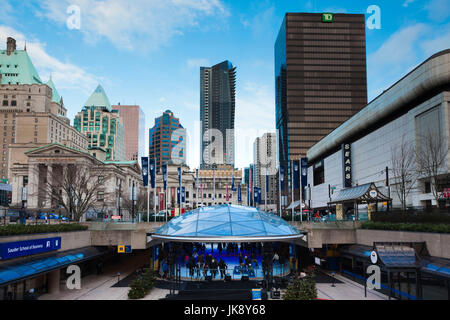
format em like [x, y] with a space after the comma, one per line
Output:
[217, 112]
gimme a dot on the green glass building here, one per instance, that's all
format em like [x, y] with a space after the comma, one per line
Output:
[102, 126]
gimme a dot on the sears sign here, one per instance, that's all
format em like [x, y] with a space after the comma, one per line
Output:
[10, 250]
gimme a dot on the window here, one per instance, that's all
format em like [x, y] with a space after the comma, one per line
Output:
[319, 173]
[5, 103]
[101, 179]
[13, 103]
[100, 196]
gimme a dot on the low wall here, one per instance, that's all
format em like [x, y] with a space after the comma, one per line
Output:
[438, 244]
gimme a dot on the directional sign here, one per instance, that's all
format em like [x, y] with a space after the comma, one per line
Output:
[124, 249]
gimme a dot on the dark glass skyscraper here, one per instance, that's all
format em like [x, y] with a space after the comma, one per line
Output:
[320, 78]
[217, 111]
[167, 140]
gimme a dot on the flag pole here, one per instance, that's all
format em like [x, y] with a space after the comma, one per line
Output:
[265, 192]
[292, 187]
[279, 186]
[301, 191]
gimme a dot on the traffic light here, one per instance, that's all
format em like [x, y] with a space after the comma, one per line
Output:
[9, 197]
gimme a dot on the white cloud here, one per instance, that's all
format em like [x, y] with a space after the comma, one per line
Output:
[65, 75]
[137, 24]
[197, 63]
[407, 3]
[441, 42]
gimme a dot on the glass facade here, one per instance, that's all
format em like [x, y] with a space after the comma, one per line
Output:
[227, 221]
[217, 110]
[320, 79]
[167, 140]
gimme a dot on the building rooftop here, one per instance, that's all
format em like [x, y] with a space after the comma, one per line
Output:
[98, 99]
[16, 66]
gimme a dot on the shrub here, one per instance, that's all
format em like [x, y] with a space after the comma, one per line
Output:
[141, 286]
[17, 229]
[411, 216]
[414, 227]
[302, 288]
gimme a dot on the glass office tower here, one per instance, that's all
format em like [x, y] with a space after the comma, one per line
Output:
[320, 79]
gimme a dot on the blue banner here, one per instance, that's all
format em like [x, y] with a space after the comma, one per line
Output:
[267, 182]
[255, 195]
[259, 196]
[304, 171]
[10, 250]
[144, 161]
[248, 195]
[281, 178]
[164, 172]
[239, 194]
[178, 195]
[232, 183]
[153, 173]
[179, 176]
[183, 194]
[296, 174]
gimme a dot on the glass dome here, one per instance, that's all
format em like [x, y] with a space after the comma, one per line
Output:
[227, 223]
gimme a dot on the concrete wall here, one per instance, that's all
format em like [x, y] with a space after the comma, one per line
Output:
[438, 244]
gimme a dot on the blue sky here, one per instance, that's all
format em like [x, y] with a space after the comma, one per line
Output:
[148, 52]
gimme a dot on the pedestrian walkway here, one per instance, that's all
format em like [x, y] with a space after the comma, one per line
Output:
[346, 289]
[100, 287]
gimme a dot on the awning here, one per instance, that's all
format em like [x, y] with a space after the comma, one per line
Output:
[12, 272]
[363, 193]
[397, 255]
[436, 266]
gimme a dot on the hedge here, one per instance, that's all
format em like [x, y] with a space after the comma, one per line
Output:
[16, 229]
[414, 227]
[141, 286]
[412, 217]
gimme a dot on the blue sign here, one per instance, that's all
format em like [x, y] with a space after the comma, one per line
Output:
[256, 294]
[296, 174]
[10, 250]
[153, 172]
[239, 194]
[281, 178]
[304, 172]
[164, 172]
[183, 194]
[144, 161]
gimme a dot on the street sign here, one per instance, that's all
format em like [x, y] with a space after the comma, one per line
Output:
[373, 257]
[256, 294]
[124, 249]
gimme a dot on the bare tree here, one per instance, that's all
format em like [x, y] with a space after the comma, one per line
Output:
[140, 204]
[403, 157]
[76, 189]
[432, 151]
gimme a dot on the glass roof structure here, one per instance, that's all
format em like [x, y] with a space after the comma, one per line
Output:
[16, 271]
[227, 223]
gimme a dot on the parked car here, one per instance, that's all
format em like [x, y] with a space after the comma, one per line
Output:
[52, 216]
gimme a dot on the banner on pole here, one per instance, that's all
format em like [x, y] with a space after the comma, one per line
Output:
[304, 171]
[164, 172]
[296, 173]
[144, 161]
[153, 173]
[281, 178]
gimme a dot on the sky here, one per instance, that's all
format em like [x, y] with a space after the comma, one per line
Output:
[148, 52]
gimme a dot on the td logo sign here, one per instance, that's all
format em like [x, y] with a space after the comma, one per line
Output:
[327, 17]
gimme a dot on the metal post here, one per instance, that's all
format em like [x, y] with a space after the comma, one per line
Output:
[389, 188]
[279, 188]
[389, 283]
[292, 188]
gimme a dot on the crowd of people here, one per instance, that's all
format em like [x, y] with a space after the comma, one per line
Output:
[201, 262]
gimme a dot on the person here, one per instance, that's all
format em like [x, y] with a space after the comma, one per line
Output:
[241, 261]
[30, 295]
[205, 270]
[214, 267]
[276, 257]
[164, 268]
[222, 267]
[219, 248]
[200, 263]
[294, 265]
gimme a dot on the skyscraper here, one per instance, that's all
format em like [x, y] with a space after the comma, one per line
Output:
[102, 126]
[134, 127]
[217, 111]
[167, 140]
[320, 78]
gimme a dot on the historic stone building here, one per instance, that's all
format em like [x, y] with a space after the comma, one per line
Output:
[47, 164]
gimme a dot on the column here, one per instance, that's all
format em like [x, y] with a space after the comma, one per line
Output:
[48, 187]
[33, 183]
[53, 279]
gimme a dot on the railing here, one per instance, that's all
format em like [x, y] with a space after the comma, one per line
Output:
[362, 216]
[236, 273]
